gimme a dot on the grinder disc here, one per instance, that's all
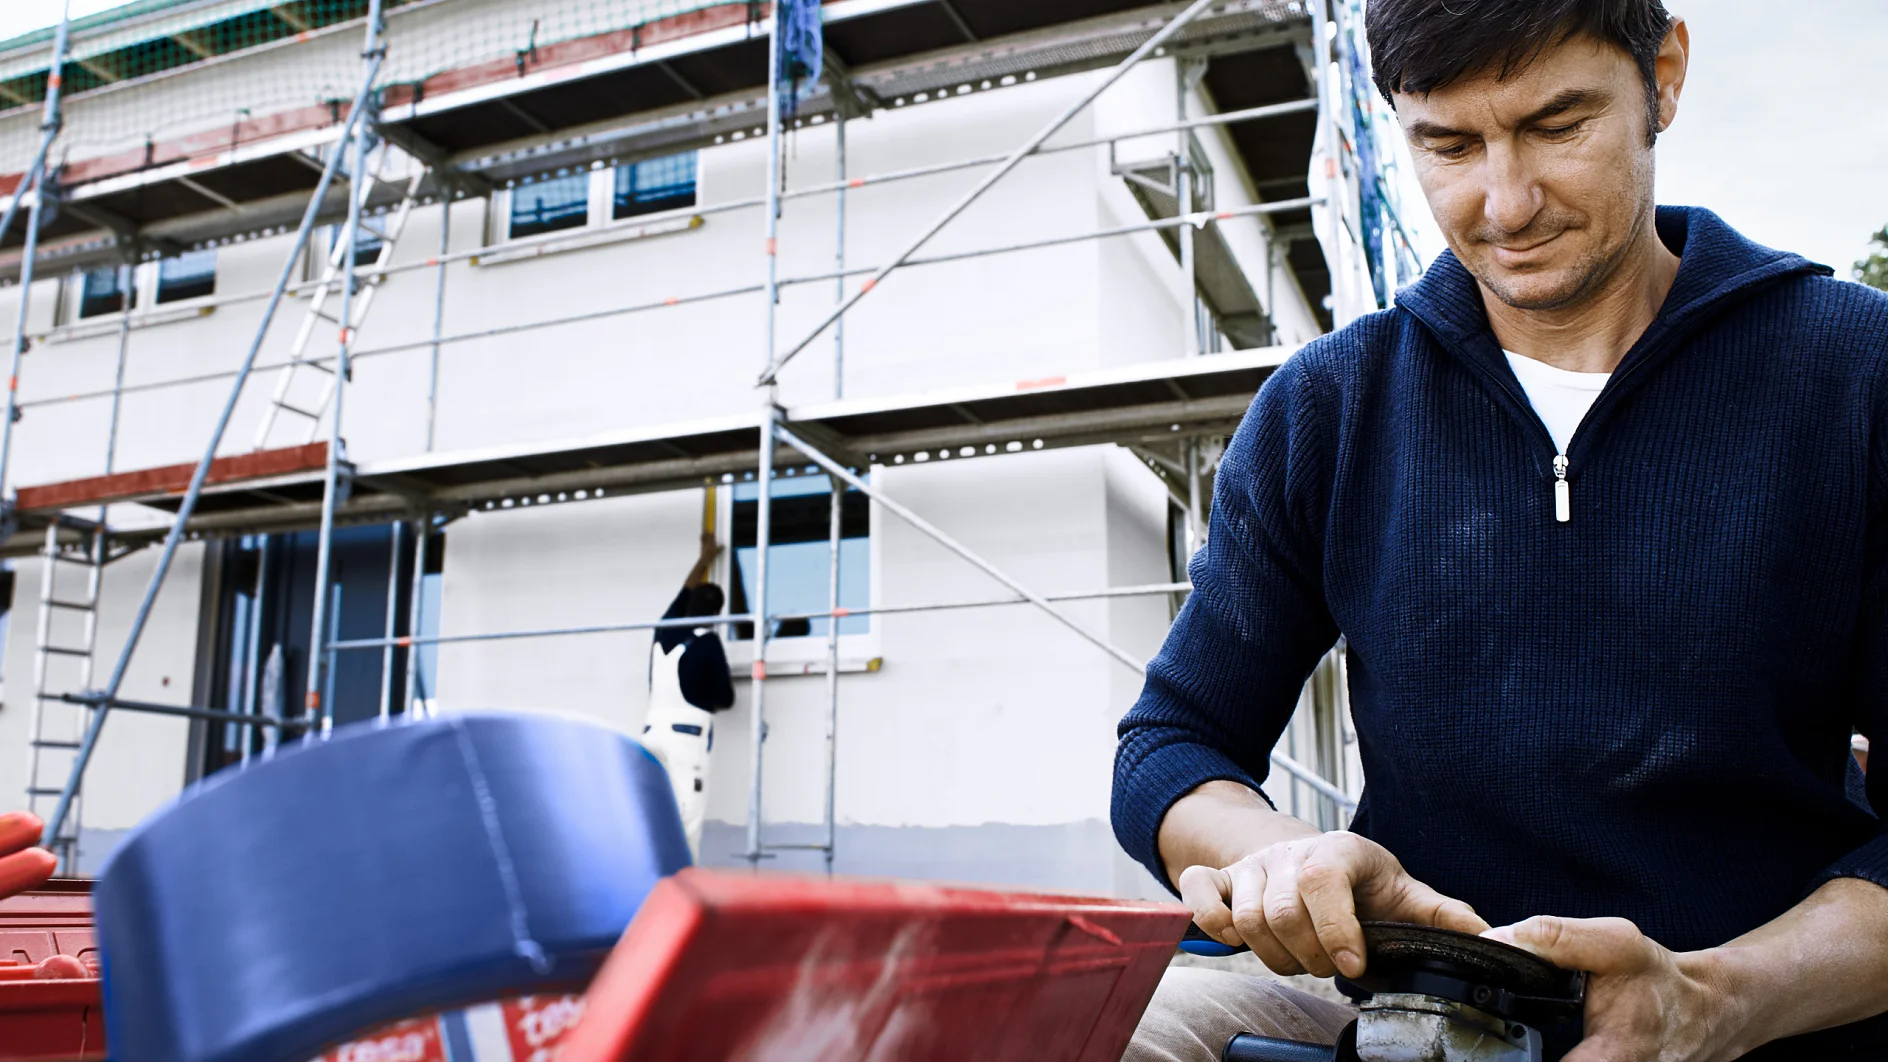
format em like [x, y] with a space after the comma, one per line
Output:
[1396, 948]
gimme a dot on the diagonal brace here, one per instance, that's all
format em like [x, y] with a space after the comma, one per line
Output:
[838, 471]
[1152, 44]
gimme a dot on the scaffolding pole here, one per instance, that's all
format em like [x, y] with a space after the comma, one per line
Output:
[422, 532]
[252, 667]
[832, 670]
[1183, 205]
[319, 662]
[1149, 47]
[34, 182]
[763, 529]
[439, 314]
[839, 267]
[393, 605]
[108, 698]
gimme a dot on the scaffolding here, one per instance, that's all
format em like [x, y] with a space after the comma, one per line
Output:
[1170, 414]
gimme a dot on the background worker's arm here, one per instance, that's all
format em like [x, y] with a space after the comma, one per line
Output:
[710, 549]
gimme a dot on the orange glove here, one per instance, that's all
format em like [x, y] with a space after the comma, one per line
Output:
[23, 865]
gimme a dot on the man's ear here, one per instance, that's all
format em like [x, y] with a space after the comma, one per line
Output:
[1673, 60]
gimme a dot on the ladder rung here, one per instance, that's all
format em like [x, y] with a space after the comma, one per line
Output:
[57, 745]
[64, 650]
[82, 558]
[297, 410]
[76, 606]
[60, 698]
[33, 791]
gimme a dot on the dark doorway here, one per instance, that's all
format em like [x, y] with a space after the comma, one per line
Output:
[261, 621]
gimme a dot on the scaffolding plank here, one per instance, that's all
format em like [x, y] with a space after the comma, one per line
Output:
[171, 479]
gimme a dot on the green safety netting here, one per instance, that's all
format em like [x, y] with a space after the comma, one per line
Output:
[153, 69]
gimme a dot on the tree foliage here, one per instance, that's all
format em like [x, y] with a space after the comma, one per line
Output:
[1873, 270]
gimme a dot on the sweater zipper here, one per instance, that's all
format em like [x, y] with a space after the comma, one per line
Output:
[1563, 494]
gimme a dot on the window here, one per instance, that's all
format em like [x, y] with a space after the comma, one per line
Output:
[550, 205]
[103, 291]
[798, 564]
[187, 276]
[654, 185]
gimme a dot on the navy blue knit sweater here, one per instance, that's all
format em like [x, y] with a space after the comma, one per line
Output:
[1644, 711]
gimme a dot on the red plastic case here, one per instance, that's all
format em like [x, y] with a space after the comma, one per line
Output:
[729, 965]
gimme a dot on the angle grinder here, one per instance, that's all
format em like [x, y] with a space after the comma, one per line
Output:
[1435, 995]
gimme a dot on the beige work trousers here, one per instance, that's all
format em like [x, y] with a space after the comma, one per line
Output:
[1196, 1010]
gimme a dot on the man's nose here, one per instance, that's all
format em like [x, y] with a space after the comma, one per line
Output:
[1512, 196]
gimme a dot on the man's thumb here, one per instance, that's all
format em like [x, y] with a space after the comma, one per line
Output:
[1592, 944]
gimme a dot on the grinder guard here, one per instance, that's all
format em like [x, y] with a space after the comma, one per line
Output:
[1435, 995]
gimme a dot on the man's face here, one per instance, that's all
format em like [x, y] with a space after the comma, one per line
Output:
[1542, 182]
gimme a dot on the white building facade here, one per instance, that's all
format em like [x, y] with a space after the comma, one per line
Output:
[972, 744]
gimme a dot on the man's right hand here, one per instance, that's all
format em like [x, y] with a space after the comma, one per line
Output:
[1299, 904]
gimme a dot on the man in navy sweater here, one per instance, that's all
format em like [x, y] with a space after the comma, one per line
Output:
[1601, 509]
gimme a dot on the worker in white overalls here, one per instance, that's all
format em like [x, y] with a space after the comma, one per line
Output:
[688, 684]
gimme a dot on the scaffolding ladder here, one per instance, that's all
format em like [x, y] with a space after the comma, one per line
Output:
[62, 665]
[288, 398]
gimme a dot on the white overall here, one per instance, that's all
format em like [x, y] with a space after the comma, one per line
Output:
[679, 735]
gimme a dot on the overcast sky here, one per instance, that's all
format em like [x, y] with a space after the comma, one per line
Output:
[1783, 128]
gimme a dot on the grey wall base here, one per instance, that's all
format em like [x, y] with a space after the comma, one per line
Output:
[1079, 857]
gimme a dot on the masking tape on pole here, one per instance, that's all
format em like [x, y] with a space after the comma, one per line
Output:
[392, 870]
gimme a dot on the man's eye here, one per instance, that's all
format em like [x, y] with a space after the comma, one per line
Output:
[1450, 151]
[1558, 131]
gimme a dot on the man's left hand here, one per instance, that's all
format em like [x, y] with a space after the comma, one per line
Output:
[1644, 1003]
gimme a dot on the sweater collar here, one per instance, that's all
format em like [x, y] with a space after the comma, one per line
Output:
[1716, 264]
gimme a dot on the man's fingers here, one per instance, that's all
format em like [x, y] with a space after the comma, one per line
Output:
[1290, 920]
[1596, 945]
[26, 870]
[1207, 892]
[19, 829]
[1248, 918]
[1326, 890]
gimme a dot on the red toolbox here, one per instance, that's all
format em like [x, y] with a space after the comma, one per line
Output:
[721, 966]
[43, 1019]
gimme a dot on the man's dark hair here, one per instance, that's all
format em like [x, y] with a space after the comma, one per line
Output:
[1418, 46]
[705, 600]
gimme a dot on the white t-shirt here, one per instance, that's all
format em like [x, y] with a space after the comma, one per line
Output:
[1560, 397]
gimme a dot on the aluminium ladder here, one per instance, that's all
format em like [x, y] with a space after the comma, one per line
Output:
[62, 664]
[288, 398]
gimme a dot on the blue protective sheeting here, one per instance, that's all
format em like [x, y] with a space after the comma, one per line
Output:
[390, 871]
[802, 47]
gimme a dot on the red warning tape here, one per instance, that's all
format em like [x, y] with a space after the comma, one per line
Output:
[760, 671]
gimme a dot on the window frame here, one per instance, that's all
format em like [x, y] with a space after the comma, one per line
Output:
[600, 212]
[864, 645]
